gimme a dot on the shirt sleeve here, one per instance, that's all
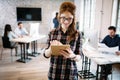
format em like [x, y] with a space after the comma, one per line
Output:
[11, 35]
[103, 41]
[17, 32]
[48, 42]
[78, 49]
[49, 39]
[25, 31]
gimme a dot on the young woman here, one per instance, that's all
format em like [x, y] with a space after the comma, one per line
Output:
[8, 33]
[63, 67]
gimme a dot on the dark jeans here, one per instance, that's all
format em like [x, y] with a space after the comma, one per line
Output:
[106, 70]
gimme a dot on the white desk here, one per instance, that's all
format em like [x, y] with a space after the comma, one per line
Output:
[102, 56]
[27, 39]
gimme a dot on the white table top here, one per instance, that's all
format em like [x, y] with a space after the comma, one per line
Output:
[101, 56]
[28, 39]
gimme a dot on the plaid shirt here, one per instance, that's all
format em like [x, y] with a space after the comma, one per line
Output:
[60, 67]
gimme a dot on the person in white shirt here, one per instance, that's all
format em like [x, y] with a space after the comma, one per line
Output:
[10, 34]
[20, 31]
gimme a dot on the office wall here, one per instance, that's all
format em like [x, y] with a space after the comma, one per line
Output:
[103, 13]
[103, 16]
[8, 13]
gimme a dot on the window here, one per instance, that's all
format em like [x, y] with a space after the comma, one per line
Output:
[118, 18]
[87, 15]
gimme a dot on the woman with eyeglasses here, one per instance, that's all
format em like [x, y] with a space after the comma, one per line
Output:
[63, 66]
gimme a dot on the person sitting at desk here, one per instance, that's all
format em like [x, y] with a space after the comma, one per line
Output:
[20, 31]
[9, 33]
[111, 40]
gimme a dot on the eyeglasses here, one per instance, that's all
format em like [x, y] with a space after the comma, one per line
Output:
[68, 19]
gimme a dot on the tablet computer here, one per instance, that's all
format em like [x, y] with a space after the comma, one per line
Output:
[56, 48]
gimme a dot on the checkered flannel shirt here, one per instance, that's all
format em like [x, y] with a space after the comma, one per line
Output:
[60, 67]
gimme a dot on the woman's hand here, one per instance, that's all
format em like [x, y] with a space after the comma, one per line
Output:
[68, 53]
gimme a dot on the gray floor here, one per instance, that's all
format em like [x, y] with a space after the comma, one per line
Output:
[115, 71]
[115, 74]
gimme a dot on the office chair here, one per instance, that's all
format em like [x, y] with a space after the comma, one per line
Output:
[6, 44]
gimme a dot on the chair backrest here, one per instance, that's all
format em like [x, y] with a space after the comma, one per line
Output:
[6, 42]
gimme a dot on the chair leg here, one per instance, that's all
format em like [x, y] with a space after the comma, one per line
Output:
[112, 74]
[1, 53]
[16, 51]
[11, 56]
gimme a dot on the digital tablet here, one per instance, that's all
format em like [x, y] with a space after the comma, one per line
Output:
[56, 48]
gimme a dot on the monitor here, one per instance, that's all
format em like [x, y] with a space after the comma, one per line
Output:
[34, 29]
[93, 39]
[28, 14]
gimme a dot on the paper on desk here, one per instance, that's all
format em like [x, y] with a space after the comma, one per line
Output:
[105, 58]
[102, 45]
[114, 59]
[101, 61]
[97, 55]
[108, 50]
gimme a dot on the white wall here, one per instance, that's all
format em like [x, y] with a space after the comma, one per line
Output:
[103, 13]
[103, 17]
[8, 13]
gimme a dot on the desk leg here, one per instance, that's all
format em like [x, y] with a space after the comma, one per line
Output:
[24, 51]
[24, 57]
[21, 52]
[89, 68]
[34, 49]
[85, 72]
[103, 72]
[97, 72]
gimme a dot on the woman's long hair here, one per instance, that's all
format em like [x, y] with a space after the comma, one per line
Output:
[70, 7]
[7, 29]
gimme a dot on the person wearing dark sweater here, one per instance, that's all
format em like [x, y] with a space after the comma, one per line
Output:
[111, 40]
[55, 21]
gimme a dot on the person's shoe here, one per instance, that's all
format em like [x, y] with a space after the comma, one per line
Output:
[29, 51]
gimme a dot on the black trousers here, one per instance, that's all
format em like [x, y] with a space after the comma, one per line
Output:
[106, 70]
